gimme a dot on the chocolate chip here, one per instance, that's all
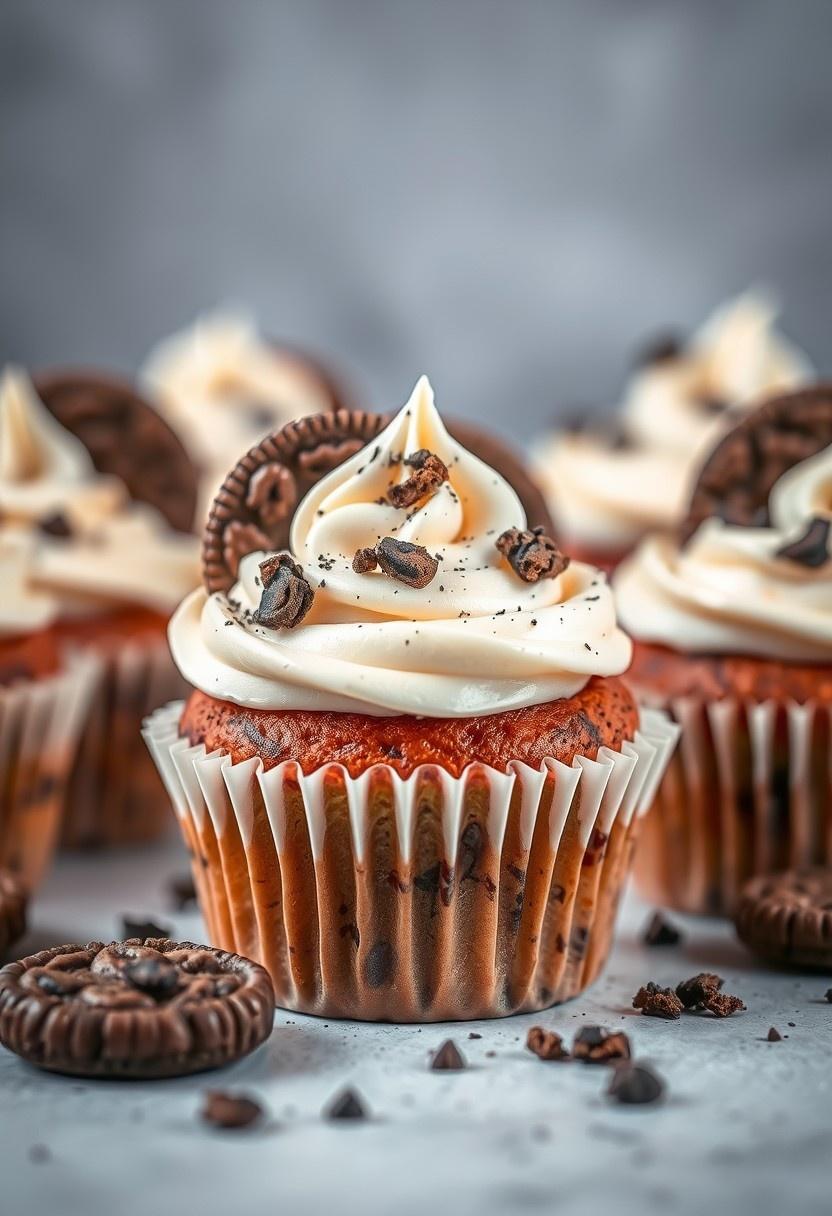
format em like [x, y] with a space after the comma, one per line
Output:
[347, 1105]
[660, 932]
[812, 548]
[595, 1045]
[531, 554]
[774, 1035]
[546, 1044]
[472, 1034]
[660, 349]
[656, 1002]
[364, 561]
[182, 891]
[407, 563]
[157, 977]
[286, 597]
[828, 995]
[230, 1110]
[56, 525]
[635, 1085]
[428, 476]
[134, 926]
[448, 1058]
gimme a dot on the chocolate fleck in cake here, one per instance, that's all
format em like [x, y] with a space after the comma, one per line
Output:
[434, 774]
[609, 485]
[733, 634]
[93, 488]
[134, 1009]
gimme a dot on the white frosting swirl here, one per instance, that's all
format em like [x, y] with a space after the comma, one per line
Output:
[727, 591]
[476, 640]
[608, 497]
[118, 552]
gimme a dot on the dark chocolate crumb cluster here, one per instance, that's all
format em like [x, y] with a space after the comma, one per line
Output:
[592, 1045]
[286, 596]
[531, 554]
[699, 994]
[429, 472]
[657, 1002]
[400, 560]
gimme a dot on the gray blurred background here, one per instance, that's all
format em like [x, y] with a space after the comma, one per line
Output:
[509, 196]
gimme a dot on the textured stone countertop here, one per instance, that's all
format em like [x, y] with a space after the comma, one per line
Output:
[746, 1127]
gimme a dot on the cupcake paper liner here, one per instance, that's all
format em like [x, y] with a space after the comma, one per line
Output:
[420, 899]
[115, 795]
[748, 791]
[41, 722]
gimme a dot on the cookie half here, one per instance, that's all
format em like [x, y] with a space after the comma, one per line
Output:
[786, 918]
[134, 1009]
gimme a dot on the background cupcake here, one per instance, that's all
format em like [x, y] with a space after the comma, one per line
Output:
[409, 776]
[607, 487]
[733, 633]
[104, 572]
[223, 386]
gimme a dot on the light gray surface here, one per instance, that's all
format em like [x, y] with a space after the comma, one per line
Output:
[507, 196]
[746, 1127]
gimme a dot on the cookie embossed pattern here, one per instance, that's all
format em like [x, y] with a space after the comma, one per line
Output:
[409, 774]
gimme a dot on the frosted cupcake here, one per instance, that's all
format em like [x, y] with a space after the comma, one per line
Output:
[410, 776]
[607, 488]
[222, 386]
[733, 635]
[104, 572]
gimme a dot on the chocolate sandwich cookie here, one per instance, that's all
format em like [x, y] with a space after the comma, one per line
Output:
[126, 438]
[736, 480]
[134, 1009]
[787, 918]
[12, 910]
[256, 503]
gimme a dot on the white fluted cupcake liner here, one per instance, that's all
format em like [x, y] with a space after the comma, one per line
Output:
[748, 791]
[115, 795]
[41, 722]
[419, 899]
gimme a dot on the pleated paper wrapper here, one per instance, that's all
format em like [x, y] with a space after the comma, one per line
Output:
[41, 722]
[748, 791]
[115, 794]
[420, 899]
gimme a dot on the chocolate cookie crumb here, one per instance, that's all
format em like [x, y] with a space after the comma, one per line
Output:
[774, 1035]
[134, 926]
[657, 1002]
[722, 1004]
[472, 1034]
[448, 1058]
[660, 932]
[429, 473]
[56, 525]
[407, 563]
[595, 1045]
[531, 554]
[812, 548]
[364, 561]
[229, 1110]
[347, 1105]
[546, 1044]
[635, 1085]
[287, 595]
[701, 993]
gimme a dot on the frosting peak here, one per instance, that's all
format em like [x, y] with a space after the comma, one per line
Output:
[475, 640]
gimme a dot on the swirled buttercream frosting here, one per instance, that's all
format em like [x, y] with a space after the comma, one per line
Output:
[71, 539]
[738, 590]
[476, 639]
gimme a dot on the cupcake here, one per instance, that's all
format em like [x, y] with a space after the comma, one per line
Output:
[222, 386]
[609, 487]
[732, 626]
[97, 574]
[409, 775]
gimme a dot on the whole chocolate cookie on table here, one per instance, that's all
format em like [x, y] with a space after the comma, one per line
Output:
[786, 918]
[12, 910]
[134, 1009]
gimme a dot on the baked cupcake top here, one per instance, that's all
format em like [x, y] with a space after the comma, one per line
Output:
[413, 586]
[607, 488]
[732, 589]
[72, 542]
[222, 386]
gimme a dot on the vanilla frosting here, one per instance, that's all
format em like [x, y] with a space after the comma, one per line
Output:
[727, 591]
[477, 640]
[608, 496]
[222, 387]
[117, 552]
